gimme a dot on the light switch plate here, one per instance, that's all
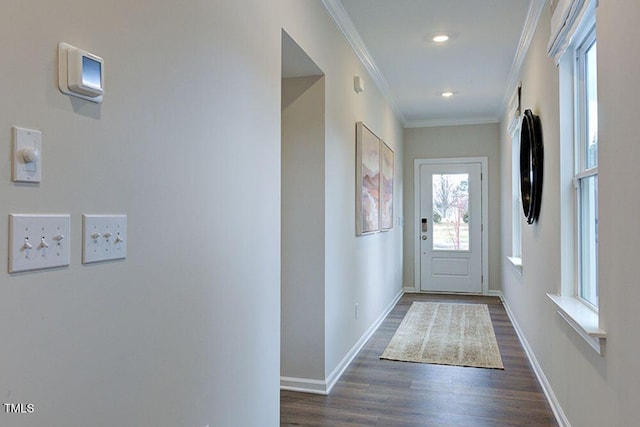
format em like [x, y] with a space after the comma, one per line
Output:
[26, 139]
[38, 241]
[104, 237]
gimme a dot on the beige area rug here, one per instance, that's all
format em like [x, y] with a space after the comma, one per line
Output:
[446, 334]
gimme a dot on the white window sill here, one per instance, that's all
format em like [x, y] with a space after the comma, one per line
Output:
[582, 319]
[516, 262]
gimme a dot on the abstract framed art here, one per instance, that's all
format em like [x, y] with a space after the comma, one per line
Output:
[374, 182]
[386, 187]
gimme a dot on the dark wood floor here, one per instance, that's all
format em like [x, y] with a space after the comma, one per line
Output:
[374, 392]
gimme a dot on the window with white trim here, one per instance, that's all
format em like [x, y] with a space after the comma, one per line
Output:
[516, 201]
[573, 45]
[586, 163]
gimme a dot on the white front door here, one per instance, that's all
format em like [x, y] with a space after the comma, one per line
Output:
[450, 227]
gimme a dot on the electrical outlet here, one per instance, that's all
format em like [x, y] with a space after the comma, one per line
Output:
[38, 241]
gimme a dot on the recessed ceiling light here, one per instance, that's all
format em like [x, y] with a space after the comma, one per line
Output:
[447, 94]
[441, 38]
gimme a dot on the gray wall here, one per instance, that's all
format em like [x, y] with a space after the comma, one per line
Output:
[302, 330]
[592, 390]
[365, 270]
[445, 142]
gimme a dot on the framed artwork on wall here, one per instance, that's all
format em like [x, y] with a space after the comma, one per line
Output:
[374, 182]
[368, 180]
[386, 187]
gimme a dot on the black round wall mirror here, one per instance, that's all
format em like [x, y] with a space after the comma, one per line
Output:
[531, 165]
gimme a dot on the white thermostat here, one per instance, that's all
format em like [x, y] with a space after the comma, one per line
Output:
[80, 73]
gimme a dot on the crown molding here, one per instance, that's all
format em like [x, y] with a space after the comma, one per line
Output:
[482, 120]
[344, 23]
[528, 31]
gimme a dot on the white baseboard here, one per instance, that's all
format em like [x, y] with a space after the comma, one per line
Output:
[306, 385]
[561, 418]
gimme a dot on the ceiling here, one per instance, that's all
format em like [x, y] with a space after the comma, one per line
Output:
[479, 63]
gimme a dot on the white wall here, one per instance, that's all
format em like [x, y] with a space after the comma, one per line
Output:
[365, 270]
[592, 390]
[453, 141]
[186, 331]
[618, 34]
[187, 144]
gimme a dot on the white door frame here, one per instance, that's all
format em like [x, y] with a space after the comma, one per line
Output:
[485, 214]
